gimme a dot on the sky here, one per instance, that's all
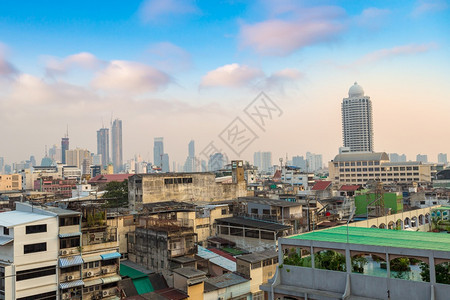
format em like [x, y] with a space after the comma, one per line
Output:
[185, 70]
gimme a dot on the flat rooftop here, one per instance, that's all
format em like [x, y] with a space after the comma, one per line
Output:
[252, 223]
[380, 237]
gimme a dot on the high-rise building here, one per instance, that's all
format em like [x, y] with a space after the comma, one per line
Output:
[299, 162]
[216, 162]
[257, 160]
[191, 147]
[442, 158]
[314, 161]
[190, 165]
[76, 157]
[395, 157]
[55, 154]
[266, 161]
[64, 148]
[158, 151]
[357, 124]
[165, 167]
[116, 145]
[422, 158]
[2, 165]
[103, 145]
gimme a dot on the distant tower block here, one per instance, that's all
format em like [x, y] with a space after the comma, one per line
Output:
[357, 124]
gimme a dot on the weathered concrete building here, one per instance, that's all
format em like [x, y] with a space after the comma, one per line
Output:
[193, 187]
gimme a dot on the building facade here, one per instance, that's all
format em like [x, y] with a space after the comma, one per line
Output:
[116, 145]
[357, 124]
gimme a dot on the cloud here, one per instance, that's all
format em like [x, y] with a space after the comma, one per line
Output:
[152, 10]
[373, 17]
[232, 75]
[130, 77]
[428, 6]
[169, 57]
[84, 60]
[7, 69]
[279, 78]
[393, 52]
[302, 27]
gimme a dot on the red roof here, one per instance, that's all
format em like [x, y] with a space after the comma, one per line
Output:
[349, 188]
[109, 177]
[321, 185]
[222, 253]
[277, 174]
[172, 294]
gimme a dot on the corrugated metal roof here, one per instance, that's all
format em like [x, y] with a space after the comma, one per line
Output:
[380, 237]
[93, 282]
[91, 258]
[321, 185]
[5, 240]
[143, 285]
[70, 261]
[15, 218]
[71, 284]
[349, 188]
[226, 280]
[110, 279]
[64, 235]
[252, 223]
[258, 256]
[216, 259]
[110, 255]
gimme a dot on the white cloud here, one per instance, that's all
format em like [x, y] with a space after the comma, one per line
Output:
[232, 75]
[84, 60]
[130, 77]
[7, 69]
[152, 10]
[373, 17]
[304, 27]
[428, 6]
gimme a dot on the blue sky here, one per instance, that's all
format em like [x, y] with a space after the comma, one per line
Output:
[185, 69]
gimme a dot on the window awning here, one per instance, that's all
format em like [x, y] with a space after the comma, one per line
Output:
[70, 261]
[64, 235]
[5, 240]
[91, 258]
[110, 255]
[114, 278]
[71, 284]
[93, 282]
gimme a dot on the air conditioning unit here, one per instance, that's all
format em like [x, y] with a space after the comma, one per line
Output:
[64, 252]
[89, 274]
[69, 277]
[105, 293]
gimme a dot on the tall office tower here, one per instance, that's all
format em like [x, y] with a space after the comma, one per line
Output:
[103, 145]
[2, 165]
[165, 167]
[442, 158]
[257, 160]
[116, 145]
[158, 151]
[314, 161]
[216, 162]
[266, 161]
[422, 158]
[357, 125]
[64, 148]
[299, 162]
[190, 165]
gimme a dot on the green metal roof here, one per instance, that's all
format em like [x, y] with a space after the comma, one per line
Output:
[130, 272]
[442, 208]
[380, 237]
[143, 285]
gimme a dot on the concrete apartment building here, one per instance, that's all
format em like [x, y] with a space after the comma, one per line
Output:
[358, 168]
[307, 271]
[54, 253]
[12, 182]
[196, 187]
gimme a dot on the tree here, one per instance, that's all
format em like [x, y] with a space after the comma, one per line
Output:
[116, 193]
[442, 272]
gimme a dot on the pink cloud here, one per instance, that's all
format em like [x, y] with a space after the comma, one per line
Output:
[169, 57]
[6, 68]
[428, 6]
[305, 27]
[232, 75]
[152, 10]
[131, 77]
[393, 52]
[372, 17]
[84, 60]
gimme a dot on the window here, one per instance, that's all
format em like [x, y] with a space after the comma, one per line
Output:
[224, 211]
[256, 265]
[266, 212]
[168, 181]
[32, 248]
[70, 269]
[36, 228]
[69, 242]
[416, 168]
[43, 296]
[358, 163]
[69, 221]
[254, 211]
[187, 180]
[34, 273]
[5, 231]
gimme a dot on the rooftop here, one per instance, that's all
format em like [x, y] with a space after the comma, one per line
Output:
[258, 256]
[321, 185]
[225, 280]
[109, 178]
[407, 163]
[15, 218]
[242, 221]
[216, 259]
[380, 237]
[189, 272]
[268, 201]
[361, 156]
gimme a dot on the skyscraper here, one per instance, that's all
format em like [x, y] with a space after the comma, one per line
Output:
[116, 145]
[257, 160]
[165, 167]
[314, 161]
[442, 158]
[64, 147]
[158, 151]
[357, 124]
[189, 165]
[266, 161]
[103, 145]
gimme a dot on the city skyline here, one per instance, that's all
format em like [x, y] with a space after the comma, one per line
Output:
[60, 67]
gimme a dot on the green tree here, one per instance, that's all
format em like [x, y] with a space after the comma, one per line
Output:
[116, 193]
[442, 272]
